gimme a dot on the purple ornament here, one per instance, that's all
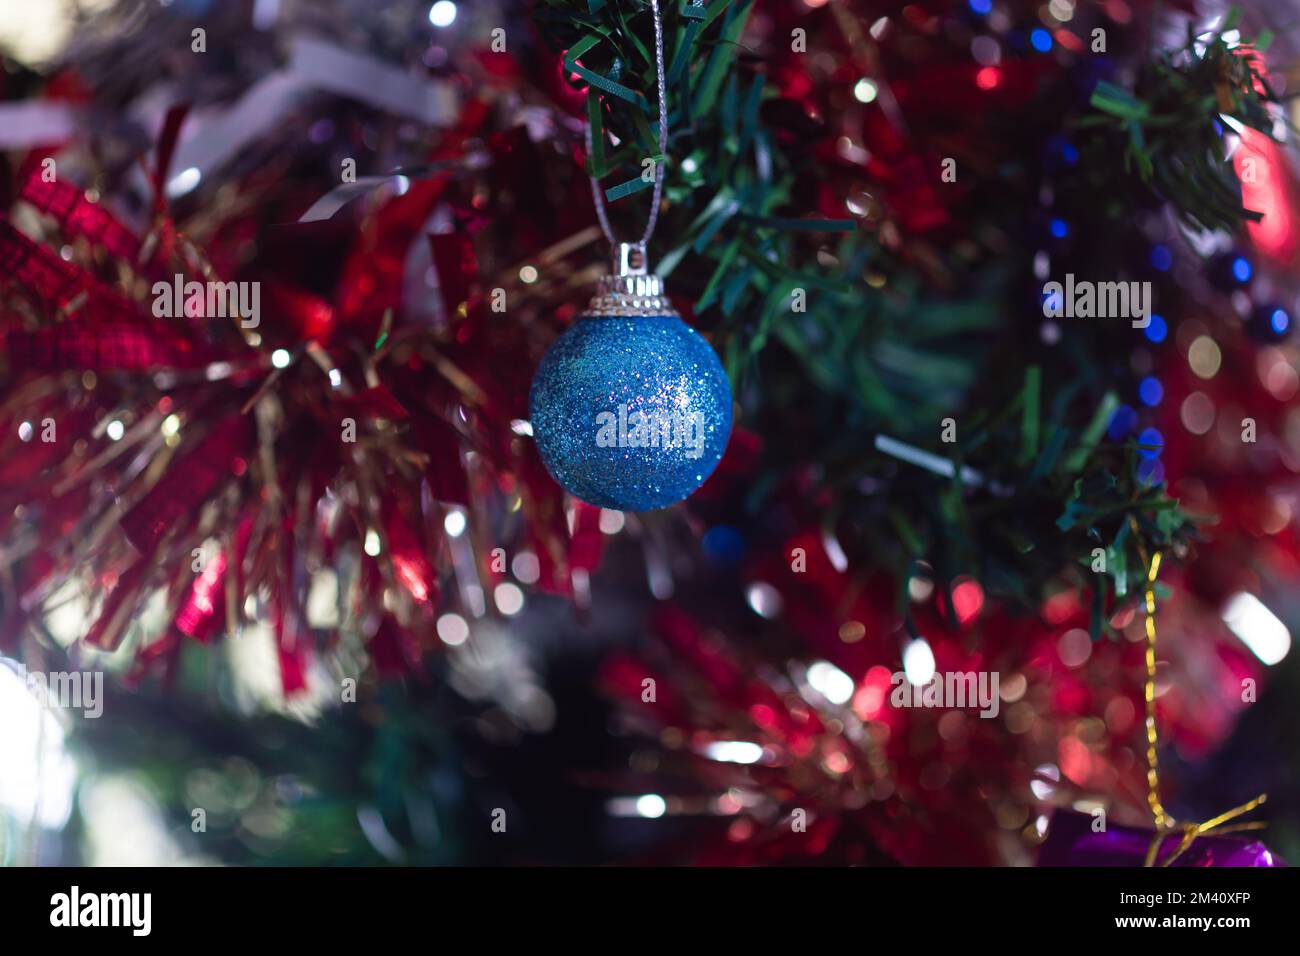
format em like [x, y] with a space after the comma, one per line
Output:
[1072, 842]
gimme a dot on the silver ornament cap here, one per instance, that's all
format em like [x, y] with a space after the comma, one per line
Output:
[630, 289]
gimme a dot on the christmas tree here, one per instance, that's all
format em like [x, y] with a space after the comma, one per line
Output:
[689, 432]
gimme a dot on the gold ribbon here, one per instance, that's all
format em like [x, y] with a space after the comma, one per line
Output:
[1192, 830]
[1153, 778]
[1165, 824]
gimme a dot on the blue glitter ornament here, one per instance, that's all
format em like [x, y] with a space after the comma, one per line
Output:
[630, 408]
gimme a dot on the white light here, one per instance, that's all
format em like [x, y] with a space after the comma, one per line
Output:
[1046, 777]
[689, 165]
[123, 824]
[918, 662]
[171, 425]
[521, 427]
[473, 597]
[526, 567]
[651, 805]
[36, 773]
[1258, 627]
[831, 682]
[442, 13]
[116, 430]
[734, 751]
[919, 588]
[839, 560]
[764, 599]
[986, 51]
[280, 358]
[372, 543]
[68, 613]
[1063, 10]
[1042, 264]
[864, 91]
[336, 379]
[454, 523]
[510, 600]
[611, 522]
[1233, 124]
[453, 629]
[25, 431]
[322, 607]
[183, 182]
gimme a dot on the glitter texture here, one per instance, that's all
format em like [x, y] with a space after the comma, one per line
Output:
[585, 402]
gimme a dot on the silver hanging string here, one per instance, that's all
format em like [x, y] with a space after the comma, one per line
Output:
[597, 194]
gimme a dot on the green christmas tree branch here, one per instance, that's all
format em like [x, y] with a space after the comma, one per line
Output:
[816, 320]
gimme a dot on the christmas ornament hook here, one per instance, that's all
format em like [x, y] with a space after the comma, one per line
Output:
[630, 259]
[631, 289]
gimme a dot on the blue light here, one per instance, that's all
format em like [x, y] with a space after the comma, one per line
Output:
[1161, 257]
[1156, 330]
[981, 6]
[1060, 229]
[1041, 39]
[1241, 270]
[724, 544]
[1150, 472]
[1151, 436]
[1279, 321]
[1122, 422]
[1151, 391]
[1070, 152]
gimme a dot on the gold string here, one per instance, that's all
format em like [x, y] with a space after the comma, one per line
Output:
[1164, 822]
[1162, 819]
[1192, 830]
